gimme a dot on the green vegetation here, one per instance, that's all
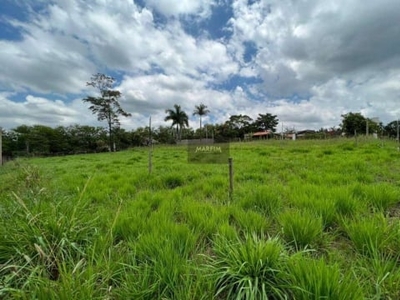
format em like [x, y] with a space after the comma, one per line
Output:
[106, 107]
[201, 110]
[179, 119]
[307, 220]
[40, 140]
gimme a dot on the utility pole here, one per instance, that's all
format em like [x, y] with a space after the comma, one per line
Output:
[367, 130]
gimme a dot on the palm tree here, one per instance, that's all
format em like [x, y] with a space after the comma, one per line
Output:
[200, 110]
[179, 118]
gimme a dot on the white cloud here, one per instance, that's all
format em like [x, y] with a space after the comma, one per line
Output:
[58, 53]
[200, 8]
[316, 59]
[37, 110]
[153, 94]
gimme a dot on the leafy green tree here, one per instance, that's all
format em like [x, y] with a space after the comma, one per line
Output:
[39, 139]
[209, 130]
[374, 127]
[62, 136]
[266, 121]
[353, 122]
[45, 140]
[238, 125]
[356, 122]
[139, 136]
[122, 138]
[201, 110]
[222, 132]
[179, 119]
[23, 133]
[9, 142]
[82, 138]
[188, 133]
[107, 106]
[391, 129]
[164, 135]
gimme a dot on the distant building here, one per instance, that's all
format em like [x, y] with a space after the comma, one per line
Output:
[266, 134]
[303, 133]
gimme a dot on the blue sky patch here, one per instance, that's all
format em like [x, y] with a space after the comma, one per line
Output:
[250, 51]
[235, 81]
[328, 76]
[217, 26]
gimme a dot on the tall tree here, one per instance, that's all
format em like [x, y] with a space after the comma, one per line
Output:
[239, 125]
[24, 136]
[163, 135]
[179, 119]
[391, 129]
[266, 121]
[44, 140]
[200, 110]
[353, 122]
[86, 138]
[139, 136]
[107, 106]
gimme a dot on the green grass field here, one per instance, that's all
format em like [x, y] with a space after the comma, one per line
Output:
[307, 220]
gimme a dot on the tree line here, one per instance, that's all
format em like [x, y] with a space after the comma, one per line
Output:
[44, 140]
[356, 124]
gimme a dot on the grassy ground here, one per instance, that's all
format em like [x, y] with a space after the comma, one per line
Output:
[307, 220]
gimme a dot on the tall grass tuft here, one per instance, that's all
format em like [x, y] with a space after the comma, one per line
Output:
[379, 197]
[382, 196]
[38, 237]
[313, 279]
[263, 199]
[301, 228]
[173, 181]
[346, 206]
[383, 276]
[167, 251]
[202, 218]
[248, 221]
[373, 236]
[319, 206]
[249, 269]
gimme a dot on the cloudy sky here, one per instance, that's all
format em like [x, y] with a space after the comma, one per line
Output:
[307, 61]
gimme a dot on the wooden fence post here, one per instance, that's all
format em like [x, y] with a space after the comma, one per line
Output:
[355, 135]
